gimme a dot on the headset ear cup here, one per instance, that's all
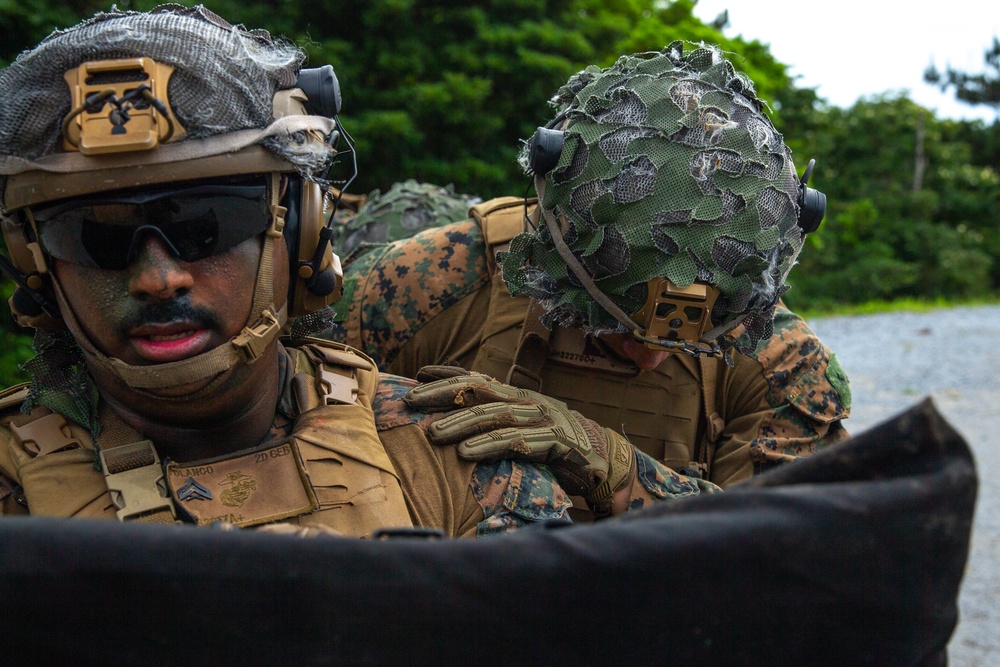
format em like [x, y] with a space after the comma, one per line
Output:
[30, 314]
[812, 208]
[27, 259]
[544, 149]
[812, 203]
[322, 89]
[314, 284]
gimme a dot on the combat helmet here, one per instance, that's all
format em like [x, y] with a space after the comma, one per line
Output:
[403, 210]
[670, 207]
[140, 105]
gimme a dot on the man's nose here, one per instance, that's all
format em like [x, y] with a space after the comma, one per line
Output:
[155, 273]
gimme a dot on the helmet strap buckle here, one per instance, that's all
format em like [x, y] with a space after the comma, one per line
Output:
[675, 314]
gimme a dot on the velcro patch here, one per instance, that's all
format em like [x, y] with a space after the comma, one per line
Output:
[260, 487]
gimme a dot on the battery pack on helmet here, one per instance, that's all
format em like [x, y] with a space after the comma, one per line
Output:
[675, 313]
[118, 106]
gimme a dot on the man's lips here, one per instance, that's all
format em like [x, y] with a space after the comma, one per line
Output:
[160, 343]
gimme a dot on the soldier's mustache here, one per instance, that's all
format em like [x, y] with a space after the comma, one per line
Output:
[165, 312]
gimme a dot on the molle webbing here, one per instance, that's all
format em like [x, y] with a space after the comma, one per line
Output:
[501, 220]
[355, 484]
[532, 351]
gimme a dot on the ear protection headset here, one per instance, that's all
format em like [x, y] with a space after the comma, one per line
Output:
[33, 303]
[316, 278]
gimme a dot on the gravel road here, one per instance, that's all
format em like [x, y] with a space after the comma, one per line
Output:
[895, 359]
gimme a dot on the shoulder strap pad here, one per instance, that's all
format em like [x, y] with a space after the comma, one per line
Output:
[13, 396]
[341, 372]
[501, 219]
[336, 354]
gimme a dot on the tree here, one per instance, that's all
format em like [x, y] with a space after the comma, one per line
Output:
[910, 214]
[972, 89]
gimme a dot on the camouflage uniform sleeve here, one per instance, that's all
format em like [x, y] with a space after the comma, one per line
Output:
[393, 291]
[656, 482]
[357, 268]
[792, 406]
[514, 494]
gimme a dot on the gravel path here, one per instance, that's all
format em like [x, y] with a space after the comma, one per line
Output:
[893, 360]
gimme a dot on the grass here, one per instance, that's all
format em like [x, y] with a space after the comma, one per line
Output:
[913, 305]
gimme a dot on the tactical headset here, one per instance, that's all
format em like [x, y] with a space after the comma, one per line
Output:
[316, 279]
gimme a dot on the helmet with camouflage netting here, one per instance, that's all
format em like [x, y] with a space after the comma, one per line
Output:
[127, 105]
[672, 201]
[405, 209]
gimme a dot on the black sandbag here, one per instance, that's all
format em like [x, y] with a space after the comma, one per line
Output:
[851, 557]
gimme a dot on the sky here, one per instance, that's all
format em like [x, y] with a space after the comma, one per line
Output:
[849, 49]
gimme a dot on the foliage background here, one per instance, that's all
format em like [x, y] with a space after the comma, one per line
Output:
[444, 91]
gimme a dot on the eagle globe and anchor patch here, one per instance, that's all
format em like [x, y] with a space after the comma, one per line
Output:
[257, 487]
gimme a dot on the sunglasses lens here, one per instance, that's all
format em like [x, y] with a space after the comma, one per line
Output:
[195, 223]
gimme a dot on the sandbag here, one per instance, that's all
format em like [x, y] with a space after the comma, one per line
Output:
[853, 556]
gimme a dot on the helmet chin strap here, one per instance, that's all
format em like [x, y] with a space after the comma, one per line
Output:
[263, 326]
[574, 265]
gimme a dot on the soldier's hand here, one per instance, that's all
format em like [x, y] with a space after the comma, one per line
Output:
[489, 420]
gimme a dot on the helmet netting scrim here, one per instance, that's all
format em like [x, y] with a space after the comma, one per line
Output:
[224, 81]
[60, 381]
[670, 168]
[406, 208]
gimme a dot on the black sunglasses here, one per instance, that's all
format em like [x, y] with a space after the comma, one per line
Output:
[106, 230]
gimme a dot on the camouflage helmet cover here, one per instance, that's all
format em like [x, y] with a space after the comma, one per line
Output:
[224, 82]
[405, 209]
[670, 168]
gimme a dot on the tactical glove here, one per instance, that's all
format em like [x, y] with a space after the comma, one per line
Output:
[497, 421]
